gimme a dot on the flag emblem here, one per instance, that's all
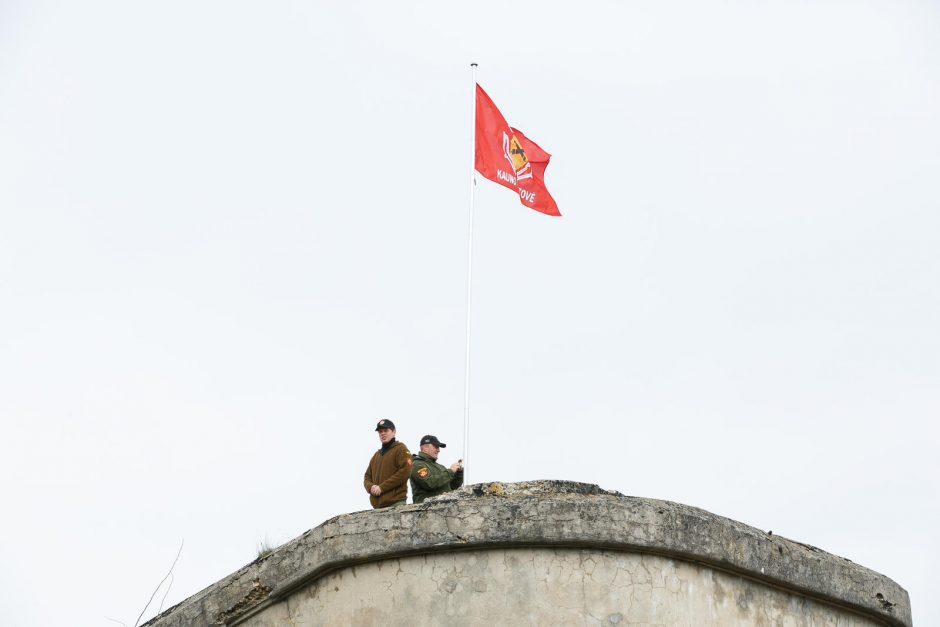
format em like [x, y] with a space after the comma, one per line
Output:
[515, 154]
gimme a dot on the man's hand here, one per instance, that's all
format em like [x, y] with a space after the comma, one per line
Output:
[456, 466]
[375, 490]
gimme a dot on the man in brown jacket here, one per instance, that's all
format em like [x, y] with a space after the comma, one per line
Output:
[386, 478]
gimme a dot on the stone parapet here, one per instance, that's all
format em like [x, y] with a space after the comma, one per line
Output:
[557, 516]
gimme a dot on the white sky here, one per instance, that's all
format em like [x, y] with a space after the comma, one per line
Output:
[233, 236]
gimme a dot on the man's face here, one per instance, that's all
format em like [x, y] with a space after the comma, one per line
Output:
[386, 434]
[431, 450]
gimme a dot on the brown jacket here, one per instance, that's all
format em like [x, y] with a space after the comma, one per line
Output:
[390, 471]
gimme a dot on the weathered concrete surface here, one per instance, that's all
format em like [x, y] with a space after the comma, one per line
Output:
[544, 586]
[562, 519]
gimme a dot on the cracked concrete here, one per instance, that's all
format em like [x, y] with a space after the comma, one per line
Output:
[545, 553]
[544, 586]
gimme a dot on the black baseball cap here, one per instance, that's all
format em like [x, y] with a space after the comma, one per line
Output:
[385, 423]
[430, 439]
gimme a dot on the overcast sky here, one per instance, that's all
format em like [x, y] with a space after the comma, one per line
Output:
[234, 235]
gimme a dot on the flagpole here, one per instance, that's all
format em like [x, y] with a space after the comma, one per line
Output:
[466, 382]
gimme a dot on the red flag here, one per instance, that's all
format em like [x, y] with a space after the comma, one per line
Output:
[505, 156]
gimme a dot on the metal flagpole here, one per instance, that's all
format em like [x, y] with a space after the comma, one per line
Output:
[466, 383]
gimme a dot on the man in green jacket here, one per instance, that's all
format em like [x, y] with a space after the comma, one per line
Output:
[428, 478]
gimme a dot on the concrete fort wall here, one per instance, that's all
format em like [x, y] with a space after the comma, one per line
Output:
[544, 553]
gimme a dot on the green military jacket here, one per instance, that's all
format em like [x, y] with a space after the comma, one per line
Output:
[428, 478]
